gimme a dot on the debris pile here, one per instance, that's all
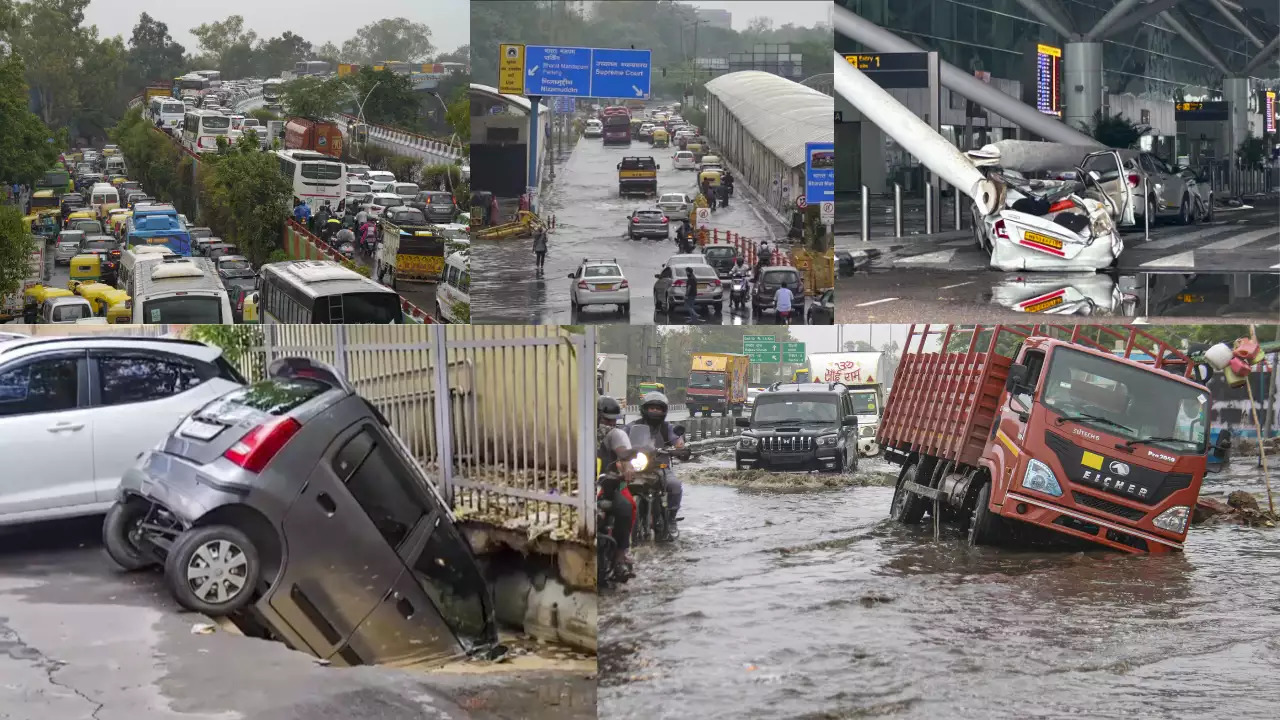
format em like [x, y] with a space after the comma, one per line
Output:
[1241, 508]
[787, 481]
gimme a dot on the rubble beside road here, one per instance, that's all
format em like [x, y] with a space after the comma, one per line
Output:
[1240, 508]
[769, 481]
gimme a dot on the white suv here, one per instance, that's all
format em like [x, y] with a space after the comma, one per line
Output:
[599, 282]
[75, 413]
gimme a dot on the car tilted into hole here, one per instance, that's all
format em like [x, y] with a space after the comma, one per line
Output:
[291, 506]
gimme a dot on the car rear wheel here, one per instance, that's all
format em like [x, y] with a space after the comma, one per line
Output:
[1184, 211]
[122, 535]
[213, 570]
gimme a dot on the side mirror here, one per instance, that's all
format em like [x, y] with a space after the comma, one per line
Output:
[570, 276]
[1097, 177]
[678, 431]
[1019, 406]
[850, 419]
[657, 167]
[658, 275]
[742, 422]
[1018, 375]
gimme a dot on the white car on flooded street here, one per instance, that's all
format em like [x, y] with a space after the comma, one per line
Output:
[593, 129]
[675, 204]
[599, 282]
[684, 160]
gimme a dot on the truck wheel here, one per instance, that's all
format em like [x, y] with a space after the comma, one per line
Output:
[121, 535]
[213, 570]
[907, 508]
[983, 524]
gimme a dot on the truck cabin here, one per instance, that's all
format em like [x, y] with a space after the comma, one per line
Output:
[638, 175]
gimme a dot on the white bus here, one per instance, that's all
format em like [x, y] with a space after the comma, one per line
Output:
[167, 113]
[135, 257]
[271, 90]
[311, 67]
[180, 291]
[316, 178]
[192, 85]
[213, 76]
[325, 293]
[201, 128]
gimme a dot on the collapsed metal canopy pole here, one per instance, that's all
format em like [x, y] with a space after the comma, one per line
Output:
[1236, 22]
[1143, 14]
[1194, 40]
[913, 134]
[1114, 14]
[1046, 15]
[1263, 56]
[877, 38]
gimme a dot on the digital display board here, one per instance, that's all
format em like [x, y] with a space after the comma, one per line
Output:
[893, 70]
[1269, 111]
[1200, 110]
[1048, 60]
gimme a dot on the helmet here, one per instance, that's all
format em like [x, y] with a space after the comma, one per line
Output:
[654, 406]
[608, 408]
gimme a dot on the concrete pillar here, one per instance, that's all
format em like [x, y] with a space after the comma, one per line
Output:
[1081, 82]
[1235, 90]
[874, 173]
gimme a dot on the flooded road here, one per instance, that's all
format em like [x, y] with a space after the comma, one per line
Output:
[815, 605]
[591, 222]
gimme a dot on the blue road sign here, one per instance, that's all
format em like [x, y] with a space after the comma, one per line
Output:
[620, 73]
[557, 71]
[819, 172]
[587, 72]
[565, 104]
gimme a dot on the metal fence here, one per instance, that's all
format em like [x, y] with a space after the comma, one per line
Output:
[512, 444]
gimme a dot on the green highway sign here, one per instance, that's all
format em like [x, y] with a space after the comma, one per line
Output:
[761, 348]
[793, 352]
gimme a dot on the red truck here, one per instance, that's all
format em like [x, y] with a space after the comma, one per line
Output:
[316, 135]
[1032, 432]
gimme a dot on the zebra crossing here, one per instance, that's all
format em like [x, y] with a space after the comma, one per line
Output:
[1223, 247]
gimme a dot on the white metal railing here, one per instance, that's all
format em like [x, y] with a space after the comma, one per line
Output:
[513, 445]
[406, 143]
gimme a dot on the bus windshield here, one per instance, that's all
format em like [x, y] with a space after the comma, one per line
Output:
[216, 122]
[184, 310]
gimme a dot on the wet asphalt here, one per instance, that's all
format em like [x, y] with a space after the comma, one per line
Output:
[815, 605]
[591, 222]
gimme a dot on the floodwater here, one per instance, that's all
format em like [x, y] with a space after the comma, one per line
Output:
[591, 222]
[815, 605]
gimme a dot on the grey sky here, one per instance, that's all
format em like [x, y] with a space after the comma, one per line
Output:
[318, 21]
[805, 13]
[827, 338]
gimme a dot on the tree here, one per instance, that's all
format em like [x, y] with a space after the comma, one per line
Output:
[153, 55]
[389, 39]
[760, 24]
[103, 93]
[330, 53]
[315, 97]
[280, 53]
[16, 244]
[461, 55]
[48, 37]
[26, 150]
[243, 193]
[391, 99]
[227, 43]
[1253, 152]
[459, 117]
[1115, 131]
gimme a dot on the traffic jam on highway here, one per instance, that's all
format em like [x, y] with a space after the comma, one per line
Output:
[1029, 459]
[130, 258]
[638, 219]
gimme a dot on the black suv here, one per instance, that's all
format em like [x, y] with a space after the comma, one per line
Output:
[800, 426]
[771, 278]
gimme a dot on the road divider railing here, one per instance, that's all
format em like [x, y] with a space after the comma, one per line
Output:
[422, 144]
[747, 247]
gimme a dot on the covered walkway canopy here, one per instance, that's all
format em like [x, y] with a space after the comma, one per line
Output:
[760, 123]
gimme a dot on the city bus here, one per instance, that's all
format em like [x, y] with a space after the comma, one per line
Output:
[323, 292]
[190, 85]
[213, 76]
[315, 177]
[157, 225]
[201, 129]
[271, 90]
[181, 291]
[311, 67]
[167, 113]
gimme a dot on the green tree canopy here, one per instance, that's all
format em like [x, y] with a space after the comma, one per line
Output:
[16, 244]
[153, 55]
[391, 99]
[315, 97]
[244, 195]
[25, 148]
[389, 39]
[1115, 131]
[225, 42]
[278, 54]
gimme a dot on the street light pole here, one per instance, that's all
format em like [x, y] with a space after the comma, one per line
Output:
[360, 117]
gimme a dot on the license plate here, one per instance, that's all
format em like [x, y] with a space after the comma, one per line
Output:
[605, 286]
[703, 286]
[1045, 240]
[201, 430]
[706, 407]
[1188, 298]
[1044, 305]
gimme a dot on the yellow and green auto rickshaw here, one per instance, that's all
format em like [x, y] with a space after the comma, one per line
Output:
[661, 138]
[100, 296]
[84, 269]
[34, 299]
[710, 175]
[249, 313]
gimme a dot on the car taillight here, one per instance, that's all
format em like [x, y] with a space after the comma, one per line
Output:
[1133, 179]
[677, 283]
[624, 284]
[665, 219]
[635, 219]
[582, 284]
[716, 282]
[256, 449]
[1000, 230]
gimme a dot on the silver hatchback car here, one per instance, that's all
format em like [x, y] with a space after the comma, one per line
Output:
[291, 506]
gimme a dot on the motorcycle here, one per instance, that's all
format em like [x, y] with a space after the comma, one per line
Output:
[348, 250]
[608, 572]
[649, 488]
[739, 293]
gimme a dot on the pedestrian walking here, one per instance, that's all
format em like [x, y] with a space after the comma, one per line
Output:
[691, 295]
[540, 248]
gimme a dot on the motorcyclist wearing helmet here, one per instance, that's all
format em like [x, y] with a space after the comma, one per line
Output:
[610, 441]
[653, 413]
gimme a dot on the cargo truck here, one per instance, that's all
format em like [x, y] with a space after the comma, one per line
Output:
[157, 90]
[1024, 433]
[864, 373]
[315, 135]
[717, 383]
[12, 303]
[611, 376]
[409, 253]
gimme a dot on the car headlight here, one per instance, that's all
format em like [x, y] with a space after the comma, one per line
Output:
[867, 431]
[828, 440]
[1041, 479]
[640, 462]
[1174, 519]
[747, 443]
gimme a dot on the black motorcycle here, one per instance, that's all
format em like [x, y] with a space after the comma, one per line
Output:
[739, 293]
[649, 489]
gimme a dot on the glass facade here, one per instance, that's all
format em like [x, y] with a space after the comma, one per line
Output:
[993, 35]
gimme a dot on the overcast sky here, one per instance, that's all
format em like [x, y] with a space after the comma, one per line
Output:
[805, 13]
[317, 21]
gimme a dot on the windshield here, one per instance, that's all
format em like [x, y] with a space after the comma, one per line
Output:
[864, 403]
[184, 310]
[215, 122]
[720, 252]
[702, 379]
[1126, 401]
[70, 313]
[593, 271]
[358, 188]
[795, 408]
